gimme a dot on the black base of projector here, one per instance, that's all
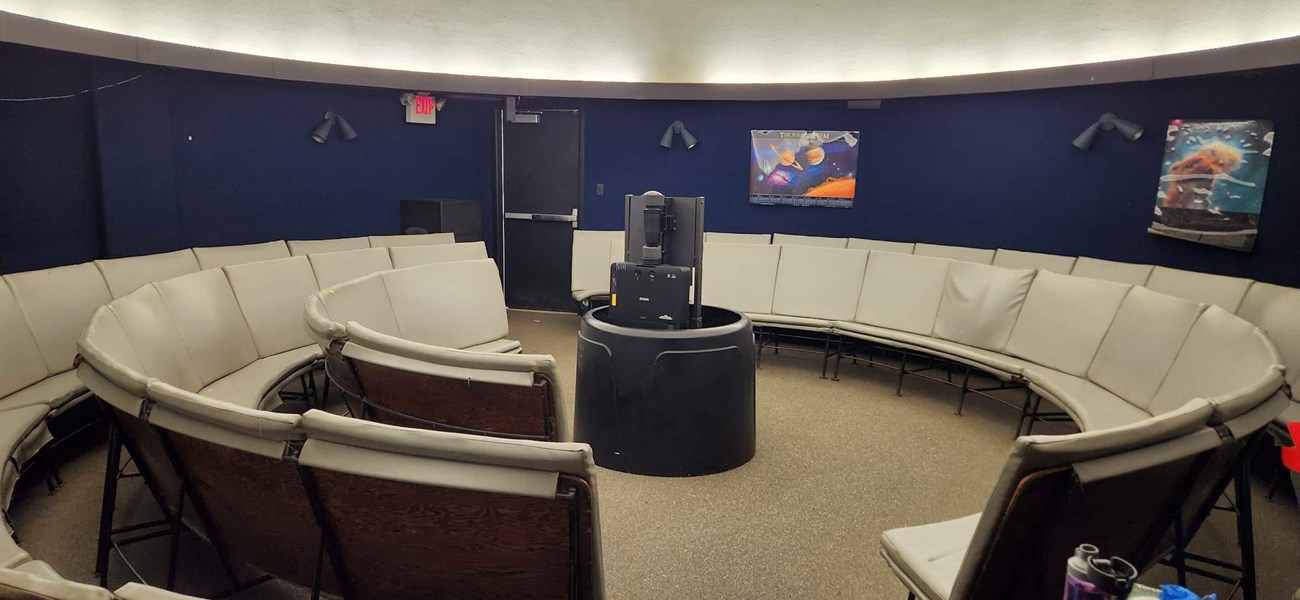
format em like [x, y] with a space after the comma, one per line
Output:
[667, 402]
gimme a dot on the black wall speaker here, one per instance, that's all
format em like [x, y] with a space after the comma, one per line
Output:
[461, 217]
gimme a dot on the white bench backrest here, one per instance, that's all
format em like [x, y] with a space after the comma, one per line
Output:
[818, 283]
[1109, 270]
[305, 247]
[1015, 259]
[126, 275]
[902, 291]
[1142, 344]
[220, 256]
[271, 295]
[1064, 319]
[740, 277]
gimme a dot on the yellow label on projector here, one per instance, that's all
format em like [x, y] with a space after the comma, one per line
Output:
[613, 299]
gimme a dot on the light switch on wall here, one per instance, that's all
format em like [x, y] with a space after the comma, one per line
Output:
[600, 189]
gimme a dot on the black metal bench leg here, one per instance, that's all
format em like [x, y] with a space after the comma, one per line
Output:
[109, 502]
[839, 355]
[1245, 530]
[965, 388]
[1024, 412]
[826, 354]
[902, 370]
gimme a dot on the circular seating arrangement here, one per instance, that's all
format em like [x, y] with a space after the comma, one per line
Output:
[1167, 385]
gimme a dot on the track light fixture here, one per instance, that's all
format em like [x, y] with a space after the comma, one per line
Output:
[1130, 130]
[322, 131]
[674, 129]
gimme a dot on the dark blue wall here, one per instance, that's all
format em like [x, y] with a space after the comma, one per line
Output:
[118, 173]
[49, 188]
[988, 170]
[185, 158]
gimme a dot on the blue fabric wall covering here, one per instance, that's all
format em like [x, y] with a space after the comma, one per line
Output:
[988, 170]
[199, 159]
[49, 188]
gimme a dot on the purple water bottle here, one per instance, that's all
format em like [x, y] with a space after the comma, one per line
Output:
[1077, 584]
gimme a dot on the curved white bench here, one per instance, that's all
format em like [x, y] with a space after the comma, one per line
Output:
[985, 316]
[400, 339]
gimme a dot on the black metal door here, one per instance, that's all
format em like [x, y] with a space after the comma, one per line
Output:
[541, 187]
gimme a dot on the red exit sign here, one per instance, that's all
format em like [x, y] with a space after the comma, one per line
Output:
[421, 109]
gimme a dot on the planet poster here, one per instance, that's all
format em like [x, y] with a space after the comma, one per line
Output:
[803, 168]
[1212, 182]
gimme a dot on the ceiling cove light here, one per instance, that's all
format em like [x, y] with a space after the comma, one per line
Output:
[679, 41]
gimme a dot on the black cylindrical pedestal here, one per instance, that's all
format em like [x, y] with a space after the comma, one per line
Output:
[667, 402]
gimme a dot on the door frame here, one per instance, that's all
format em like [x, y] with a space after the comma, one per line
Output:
[499, 175]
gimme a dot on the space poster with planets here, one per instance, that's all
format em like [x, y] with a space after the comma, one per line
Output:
[803, 168]
[1212, 182]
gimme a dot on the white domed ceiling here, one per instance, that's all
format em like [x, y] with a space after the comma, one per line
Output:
[689, 41]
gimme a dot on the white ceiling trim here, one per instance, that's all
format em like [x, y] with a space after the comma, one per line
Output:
[58, 36]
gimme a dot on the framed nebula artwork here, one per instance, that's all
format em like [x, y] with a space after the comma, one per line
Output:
[1212, 182]
[803, 168]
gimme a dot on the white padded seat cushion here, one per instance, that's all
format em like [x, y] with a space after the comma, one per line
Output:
[1064, 319]
[364, 300]
[809, 240]
[126, 275]
[17, 426]
[137, 591]
[928, 557]
[789, 322]
[592, 254]
[1142, 343]
[271, 295]
[738, 238]
[819, 283]
[454, 305]
[209, 320]
[1091, 406]
[881, 245]
[52, 392]
[18, 583]
[57, 303]
[155, 339]
[256, 385]
[740, 277]
[1001, 365]
[221, 256]
[902, 291]
[19, 353]
[502, 346]
[981, 304]
[1223, 354]
[1226, 292]
[305, 247]
[1016, 259]
[1109, 270]
[973, 255]
[428, 239]
[333, 268]
[1276, 310]
[414, 256]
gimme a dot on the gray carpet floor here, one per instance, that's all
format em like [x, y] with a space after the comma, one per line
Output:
[837, 464]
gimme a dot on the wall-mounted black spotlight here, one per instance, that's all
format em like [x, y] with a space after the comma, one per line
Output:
[674, 129]
[1130, 130]
[322, 131]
